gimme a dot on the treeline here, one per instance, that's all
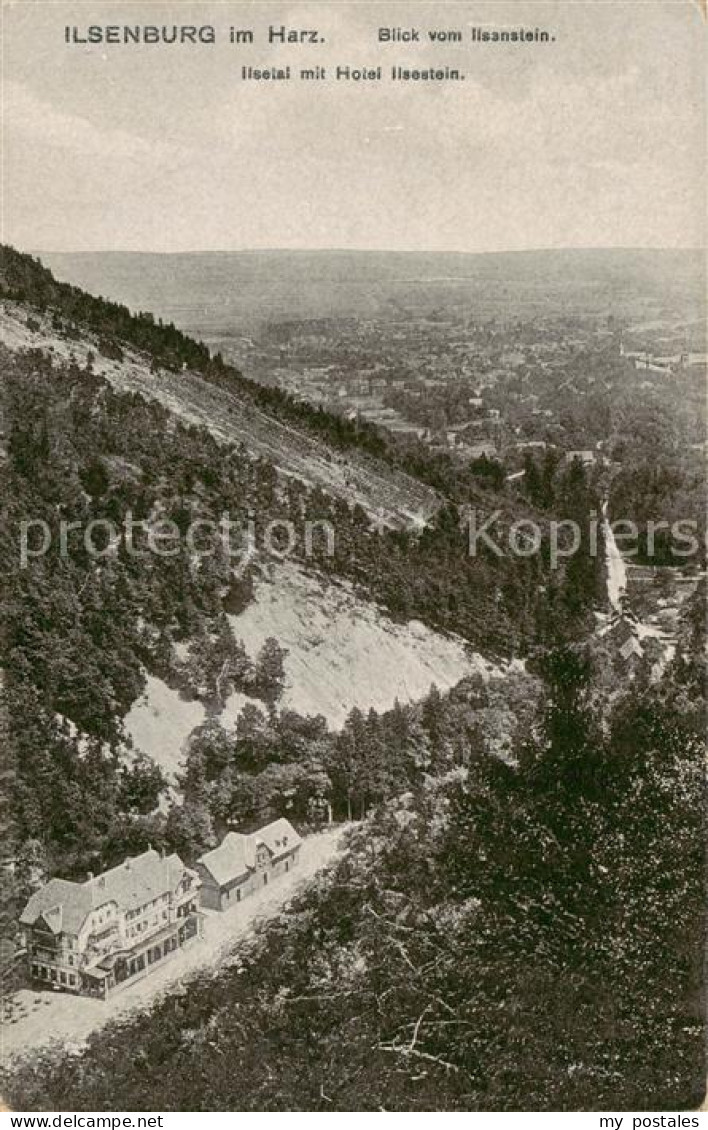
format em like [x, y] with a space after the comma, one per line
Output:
[523, 936]
[665, 498]
[25, 279]
[659, 442]
[80, 630]
[279, 763]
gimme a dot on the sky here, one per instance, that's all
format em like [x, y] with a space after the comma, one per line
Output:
[594, 140]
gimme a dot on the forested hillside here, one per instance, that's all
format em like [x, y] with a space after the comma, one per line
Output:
[82, 629]
[113, 328]
[518, 923]
[523, 936]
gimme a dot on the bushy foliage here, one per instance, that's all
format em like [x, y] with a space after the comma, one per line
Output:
[520, 937]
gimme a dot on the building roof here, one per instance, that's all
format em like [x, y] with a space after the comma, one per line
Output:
[232, 859]
[622, 628]
[137, 880]
[279, 837]
[61, 903]
[631, 646]
[623, 634]
[236, 854]
[64, 905]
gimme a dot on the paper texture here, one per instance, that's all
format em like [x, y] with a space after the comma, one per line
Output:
[353, 549]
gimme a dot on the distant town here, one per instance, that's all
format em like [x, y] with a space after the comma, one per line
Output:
[474, 387]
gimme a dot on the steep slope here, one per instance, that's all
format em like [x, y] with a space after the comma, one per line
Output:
[342, 652]
[345, 652]
[159, 723]
[353, 476]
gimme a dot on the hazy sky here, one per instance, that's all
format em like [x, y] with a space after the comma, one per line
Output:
[595, 140]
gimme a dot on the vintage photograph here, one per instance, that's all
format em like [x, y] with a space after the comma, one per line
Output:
[353, 603]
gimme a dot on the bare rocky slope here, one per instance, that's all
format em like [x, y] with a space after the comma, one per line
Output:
[342, 650]
[354, 476]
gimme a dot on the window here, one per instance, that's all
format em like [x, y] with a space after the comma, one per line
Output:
[35, 971]
[54, 974]
[62, 978]
[72, 979]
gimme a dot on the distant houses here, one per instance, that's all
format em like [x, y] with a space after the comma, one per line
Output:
[587, 458]
[243, 864]
[624, 638]
[96, 936]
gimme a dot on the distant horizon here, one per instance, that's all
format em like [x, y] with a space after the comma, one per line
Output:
[654, 249]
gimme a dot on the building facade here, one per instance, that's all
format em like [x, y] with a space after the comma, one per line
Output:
[243, 864]
[93, 937]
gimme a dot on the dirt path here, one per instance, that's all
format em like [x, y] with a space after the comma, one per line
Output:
[45, 1016]
[616, 569]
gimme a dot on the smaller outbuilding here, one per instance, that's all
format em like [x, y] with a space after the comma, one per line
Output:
[243, 864]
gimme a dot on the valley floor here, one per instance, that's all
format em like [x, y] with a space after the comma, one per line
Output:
[40, 1017]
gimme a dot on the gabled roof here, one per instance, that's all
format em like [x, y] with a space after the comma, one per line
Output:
[72, 900]
[279, 837]
[52, 919]
[232, 859]
[236, 854]
[64, 905]
[631, 646]
[622, 629]
[137, 880]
